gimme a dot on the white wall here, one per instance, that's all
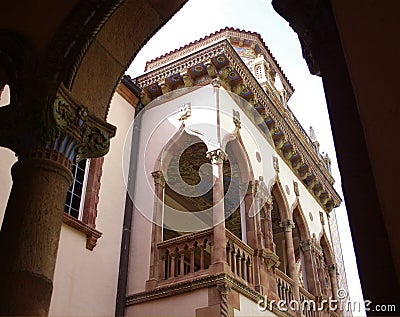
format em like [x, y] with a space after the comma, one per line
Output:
[85, 282]
[160, 125]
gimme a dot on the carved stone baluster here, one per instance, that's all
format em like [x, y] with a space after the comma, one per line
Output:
[172, 265]
[202, 247]
[239, 264]
[182, 263]
[191, 250]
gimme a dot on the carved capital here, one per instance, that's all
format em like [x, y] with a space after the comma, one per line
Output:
[75, 133]
[158, 178]
[287, 225]
[217, 156]
[306, 245]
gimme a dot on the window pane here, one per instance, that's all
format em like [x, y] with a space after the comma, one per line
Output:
[74, 194]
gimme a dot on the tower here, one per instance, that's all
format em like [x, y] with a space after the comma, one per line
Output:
[232, 198]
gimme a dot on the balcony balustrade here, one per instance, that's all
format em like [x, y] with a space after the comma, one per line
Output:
[239, 257]
[185, 255]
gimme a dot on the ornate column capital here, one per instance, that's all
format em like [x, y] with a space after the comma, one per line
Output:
[306, 245]
[158, 178]
[287, 225]
[67, 133]
[81, 135]
[217, 156]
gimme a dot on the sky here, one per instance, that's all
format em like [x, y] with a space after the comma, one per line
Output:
[199, 18]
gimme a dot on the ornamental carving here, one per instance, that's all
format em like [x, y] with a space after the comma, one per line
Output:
[75, 133]
[236, 119]
[287, 225]
[276, 163]
[158, 178]
[217, 156]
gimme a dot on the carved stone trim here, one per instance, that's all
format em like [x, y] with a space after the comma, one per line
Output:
[224, 289]
[287, 225]
[306, 245]
[217, 156]
[158, 178]
[296, 188]
[74, 132]
[321, 218]
[270, 258]
[185, 111]
[276, 163]
[236, 119]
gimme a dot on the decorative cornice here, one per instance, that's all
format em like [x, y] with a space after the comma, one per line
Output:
[291, 141]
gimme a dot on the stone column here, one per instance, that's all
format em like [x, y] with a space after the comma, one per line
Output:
[288, 225]
[217, 157]
[309, 263]
[32, 223]
[332, 269]
[159, 189]
[269, 234]
[250, 212]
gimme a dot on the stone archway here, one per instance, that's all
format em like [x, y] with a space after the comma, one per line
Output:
[62, 78]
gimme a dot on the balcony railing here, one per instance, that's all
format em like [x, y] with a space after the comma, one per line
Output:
[285, 286]
[239, 257]
[308, 304]
[185, 255]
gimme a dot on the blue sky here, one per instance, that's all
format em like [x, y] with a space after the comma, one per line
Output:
[199, 18]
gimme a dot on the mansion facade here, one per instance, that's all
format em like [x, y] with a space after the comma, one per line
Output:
[212, 201]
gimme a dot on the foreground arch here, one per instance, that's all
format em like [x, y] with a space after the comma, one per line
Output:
[61, 78]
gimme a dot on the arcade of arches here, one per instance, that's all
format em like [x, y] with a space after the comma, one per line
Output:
[63, 74]
[278, 238]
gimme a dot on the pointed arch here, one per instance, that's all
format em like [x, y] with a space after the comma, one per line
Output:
[299, 218]
[239, 151]
[279, 194]
[327, 249]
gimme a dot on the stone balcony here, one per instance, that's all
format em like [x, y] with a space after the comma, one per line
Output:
[188, 260]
